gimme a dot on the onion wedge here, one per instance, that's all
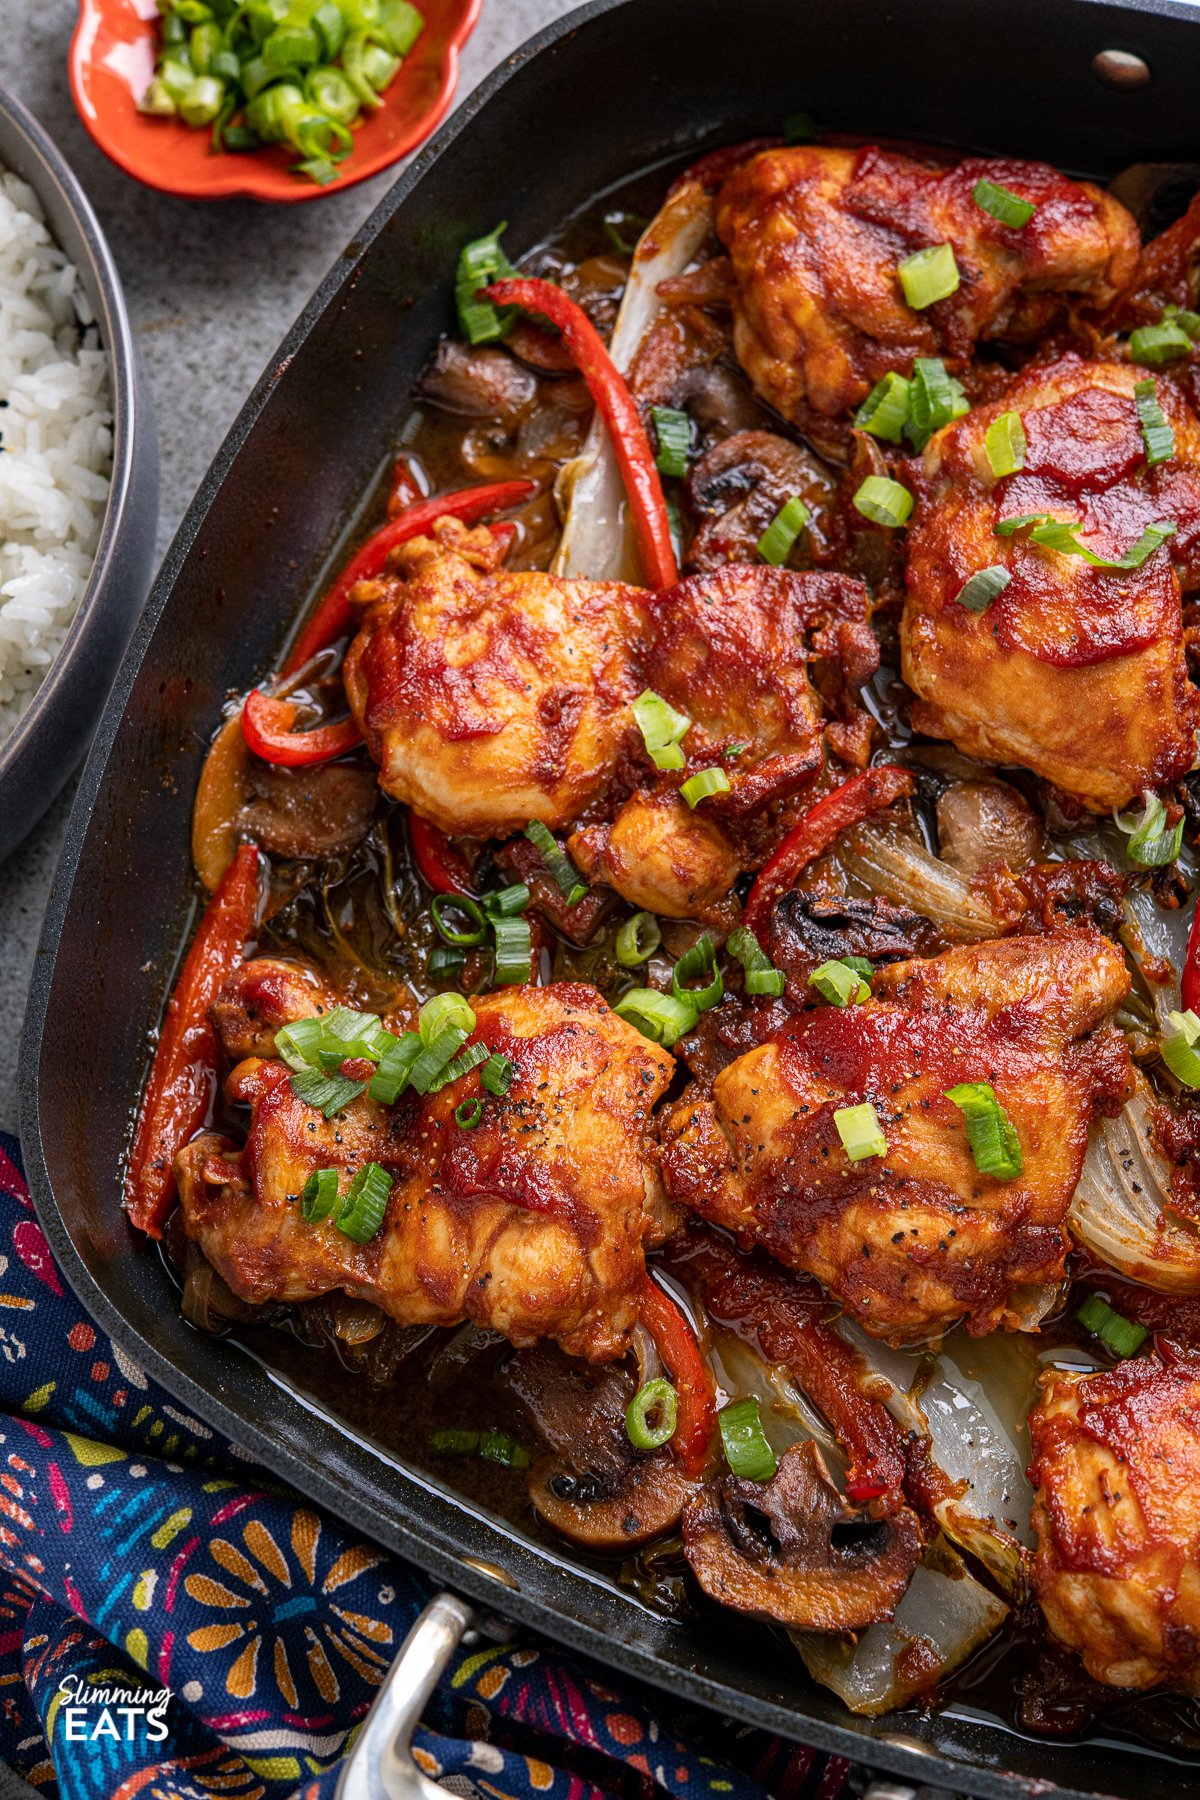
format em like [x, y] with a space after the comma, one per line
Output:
[896, 865]
[1122, 1209]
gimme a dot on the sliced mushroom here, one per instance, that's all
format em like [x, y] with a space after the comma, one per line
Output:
[809, 929]
[739, 485]
[308, 814]
[478, 384]
[981, 823]
[719, 399]
[791, 1549]
[591, 1484]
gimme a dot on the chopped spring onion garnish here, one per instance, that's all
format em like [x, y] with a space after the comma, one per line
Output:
[567, 878]
[392, 1076]
[497, 1074]
[745, 1442]
[673, 435]
[345, 1033]
[884, 411]
[990, 1132]
[442, 1011]
[299, 1044]
[840, 984]
[661, 728]
[761, 975]
[703, 785]
[328, 1093]
[514, 948]
[504, 903]
[652, 1414]
[1179, 1050]
[479, 264]
[366, 1203]
[934, 399]
[445, 960]
[1002, 204]
[1118, 1334]
[860, 1131]
[1063, 535]
[444, 907]
[658, 1016]
[1151, 845]
[436, 1057]
[468, 1113]
[860, 965]
[319, 1195]
[1154, 345]
[637, 940]
[883, 501]
[491, 1445]
[1187, 321]
[928, 275]
[1156, 433]
[1005, 445]
[775, 544]
[698, 963]
[463, 1063]
[980, 589]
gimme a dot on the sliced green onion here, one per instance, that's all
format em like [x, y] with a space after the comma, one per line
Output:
[884, 411]
[1006, 528]
[567, 878]
[860, 1131]
[435, 1058]
[299, 1044]
[366, 1203]
[840, 984]
[497, 1074]
[1187, 321]
[158, 100]
[319, 1195]
[1158, 344]
[637, 940]
[1157, 435]
[1150, 846]
[346, 1033]
[328, 1093]
[291, 47]
[775, 544]
[745, 1442]
[661, 728]
[329, 22]
[392, 1076]
[329, 90]
[479, 264]
[703, 785]
[499, 1447]
[450, 1440]
[202, 100]
[860, 965]
[207, 41]
[1005, 445]
[673, 435]
[1118, 1334]
[991, 1134]
[402, 23]
[445, 960]
[654, 1401]
[463, 1063]
[1062, 535]
[1001, 204]
[934, 399]
[505, 903]
[468, 1113]
[761, 975]
[658, 1016]
[514, 948]
[696, 964]
[928, 275]
[442, 1011]
[1179, 1050]
[980, 589]
[883, 501]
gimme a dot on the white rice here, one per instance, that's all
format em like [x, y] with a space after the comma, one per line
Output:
[55, 446]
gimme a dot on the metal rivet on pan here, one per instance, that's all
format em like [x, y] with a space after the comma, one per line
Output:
[490, 1568]
[1121, 68]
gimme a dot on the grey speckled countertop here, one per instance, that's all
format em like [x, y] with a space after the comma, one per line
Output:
[211, 290]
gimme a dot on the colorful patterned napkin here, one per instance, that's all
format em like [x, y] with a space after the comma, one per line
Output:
[175, 1625]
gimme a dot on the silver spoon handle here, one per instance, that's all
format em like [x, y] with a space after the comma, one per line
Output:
[381, 1766]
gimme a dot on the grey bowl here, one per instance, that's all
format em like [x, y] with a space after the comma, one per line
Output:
[56, 728]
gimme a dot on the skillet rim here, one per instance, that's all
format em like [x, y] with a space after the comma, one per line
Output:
[907, 1757]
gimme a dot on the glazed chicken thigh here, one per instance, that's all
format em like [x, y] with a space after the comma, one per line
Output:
[917, 1240]
[816, 233]
[533, 1223]
[1073, 671]
[1116, 1461]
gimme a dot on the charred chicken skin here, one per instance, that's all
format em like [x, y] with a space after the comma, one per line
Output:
[1073, 671]
[816, 234]
[917, 1240]
[1116, 1461]
[533, 1223]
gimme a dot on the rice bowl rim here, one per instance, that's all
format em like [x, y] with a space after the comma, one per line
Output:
[27, 151]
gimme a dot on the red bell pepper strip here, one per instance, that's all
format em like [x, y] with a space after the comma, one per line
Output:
[332, 618]
[439, 864]
[180, 1089]
[267, 726]
[676, 1343]
[616, 407]
[405, 491]
[849, 804]
[1189, 984]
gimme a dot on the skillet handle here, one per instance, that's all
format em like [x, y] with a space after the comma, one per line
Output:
[381, 1766]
